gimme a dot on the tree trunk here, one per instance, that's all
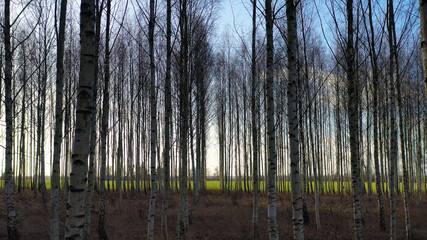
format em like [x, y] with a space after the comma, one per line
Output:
[254, 121]
[104, 128]
[12, 231]
[353, 107]
[423, 25]
[375, 77]
[54, 215]
[393, 128]
[271, 135]
[168, 120]
[21, 177]
[153, 112]
[93, 136]
[401, 126]
[297, 203]
[75, 207]
[182, 220]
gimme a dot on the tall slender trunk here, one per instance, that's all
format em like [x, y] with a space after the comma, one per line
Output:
[423, 25]
[254, 121]
[104, 128]
[12, 231]
[271, 135]
[401, 125]
[182, 220]
[54, 215]
[168, 120]
[375, 79]
[393, 128]
[297, 201]
[93, 136]
[75, 207]
[419, 151]
[153, 112]
[353, 107]
[306, 216]
[21, 177]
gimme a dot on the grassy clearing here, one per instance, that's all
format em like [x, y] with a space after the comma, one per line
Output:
[282, 186]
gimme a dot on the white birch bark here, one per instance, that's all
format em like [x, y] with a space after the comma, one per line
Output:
[75, 207]
[297, 203]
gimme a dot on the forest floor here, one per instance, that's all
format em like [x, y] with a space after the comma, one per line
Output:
[218, 216]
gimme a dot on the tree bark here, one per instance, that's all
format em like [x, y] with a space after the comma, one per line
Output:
[375, 79]
[353, 107]
[75, 207]
[254, 121]
[54, 215]
[153, 112]
[423, 25]
[104, 128]
[393, 128]
[400, 124]
[21, 177]
[182, 220]
[297, 203]
[271, 134]
[12, 231]
[93, 133]
[168, 118]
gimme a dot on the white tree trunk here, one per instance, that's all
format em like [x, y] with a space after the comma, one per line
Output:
[153, 110]
[297, 203]
[254, 121]
[104, 128]
[54, 216]
[271, 139]
[353, 124]
[12, 231]
[76, 201]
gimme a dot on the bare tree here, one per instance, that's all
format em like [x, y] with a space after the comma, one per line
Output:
[104, 128]
[353, 106]
[271, 139]
[297, 203]
[168, 120]
[254, 121]
[12, 231]
[54, 216]
[153, 112]
[75, 207]
[183, 214]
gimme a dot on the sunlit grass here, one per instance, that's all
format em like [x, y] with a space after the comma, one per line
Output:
[282, 186]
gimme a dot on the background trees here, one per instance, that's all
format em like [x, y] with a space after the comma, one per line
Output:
[175, 99]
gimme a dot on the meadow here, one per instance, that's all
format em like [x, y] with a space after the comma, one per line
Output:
[282, 186]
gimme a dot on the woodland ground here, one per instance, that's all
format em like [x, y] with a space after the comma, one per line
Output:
[217, 216]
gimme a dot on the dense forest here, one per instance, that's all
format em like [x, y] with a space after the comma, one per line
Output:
[140, 117]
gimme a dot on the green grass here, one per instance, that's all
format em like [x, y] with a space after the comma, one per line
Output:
[281, 185]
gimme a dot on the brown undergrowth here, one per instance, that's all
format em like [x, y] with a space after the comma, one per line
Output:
[218, 216]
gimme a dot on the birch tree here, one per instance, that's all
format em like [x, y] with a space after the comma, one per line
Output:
[54, 216]
[104, 128]
[12, 231]
[375, 79]
[393, 128]
[271, 135]
[423, 25]
[254, 121]
[182, 219]
[75, 208]
[353, 107]
[153, 112]
[297, 203]
[168, 116]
